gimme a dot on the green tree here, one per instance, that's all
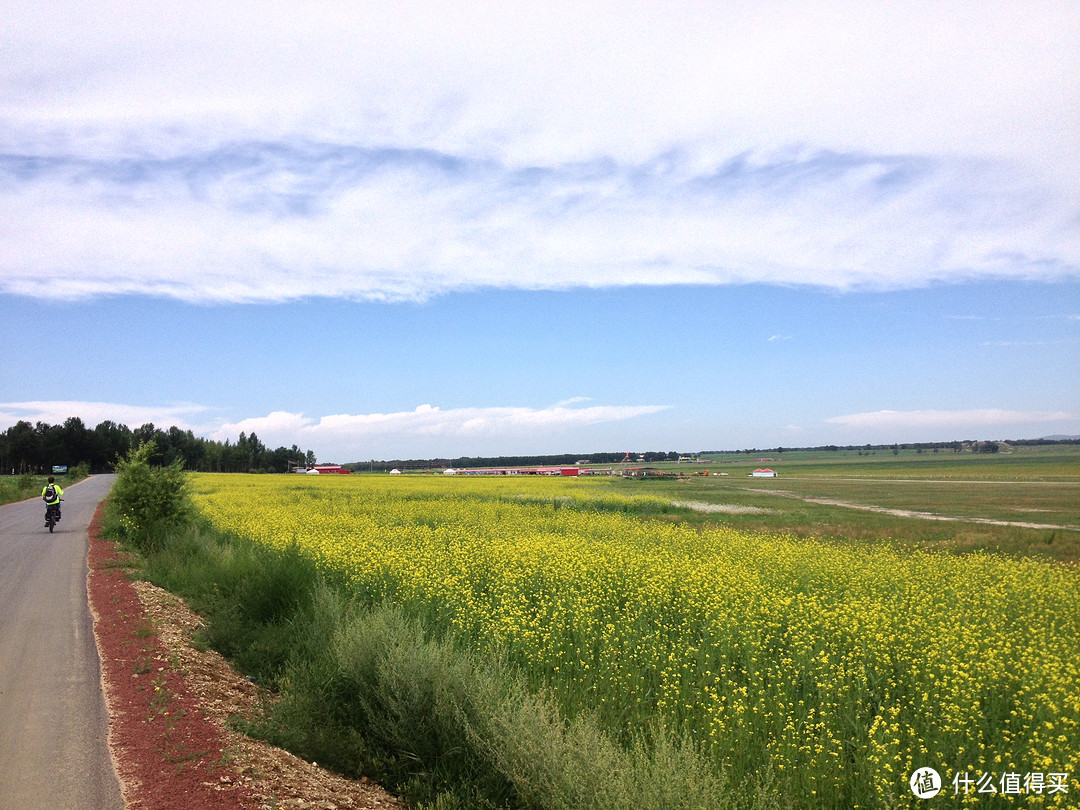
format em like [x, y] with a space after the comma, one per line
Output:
[77, 441]
[25, 446]
[53, 450]
[113, 442]
[146, 499]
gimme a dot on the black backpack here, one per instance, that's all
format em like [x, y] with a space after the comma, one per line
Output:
[50, 492]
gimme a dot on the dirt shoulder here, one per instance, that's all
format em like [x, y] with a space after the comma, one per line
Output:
[169, 704]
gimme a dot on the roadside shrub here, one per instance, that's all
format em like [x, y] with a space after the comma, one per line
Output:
[147, 500]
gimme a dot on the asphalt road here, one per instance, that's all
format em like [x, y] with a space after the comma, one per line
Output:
[53, 721]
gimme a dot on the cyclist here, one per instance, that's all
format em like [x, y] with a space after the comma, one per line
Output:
[51, 495]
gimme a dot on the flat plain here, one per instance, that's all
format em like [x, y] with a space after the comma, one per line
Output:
[1024, 501]
[814, 653]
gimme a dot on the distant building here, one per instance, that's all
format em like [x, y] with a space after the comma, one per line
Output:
[569, 471]
[328, 469]
[763, 473]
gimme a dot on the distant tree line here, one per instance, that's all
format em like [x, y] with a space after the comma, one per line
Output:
[27, 448]
[563, 460]
[36, 448]
[955, 446]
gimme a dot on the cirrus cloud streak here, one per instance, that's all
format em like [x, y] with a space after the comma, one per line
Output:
[426, 431]
[452, 430]
[186, 416]
[399, 152]
[291, 220]
[936, 425]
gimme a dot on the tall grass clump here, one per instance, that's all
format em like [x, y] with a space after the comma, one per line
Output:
[455, 729]
[258, 599]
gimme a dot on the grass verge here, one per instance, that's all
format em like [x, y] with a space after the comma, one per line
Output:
[364, 690]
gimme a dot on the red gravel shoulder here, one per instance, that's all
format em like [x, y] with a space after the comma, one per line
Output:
[168, 706]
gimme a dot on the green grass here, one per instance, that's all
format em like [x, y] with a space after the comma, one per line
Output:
[1047, 502]
[15, 488]
[1030, 485]
[20, 487]
[1040, 462]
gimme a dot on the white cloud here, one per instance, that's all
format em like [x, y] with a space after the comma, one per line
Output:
[555, 81]
[946, 425]
[425, 432]
[273, 223]
[454, 431]
[56, 412]
[269, 151]
[572, 401]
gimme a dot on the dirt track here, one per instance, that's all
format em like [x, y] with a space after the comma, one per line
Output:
[914, 514]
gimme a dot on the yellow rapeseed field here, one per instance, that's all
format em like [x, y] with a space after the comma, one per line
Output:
[839, 670]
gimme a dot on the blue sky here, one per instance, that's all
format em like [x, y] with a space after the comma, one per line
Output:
[415, 230]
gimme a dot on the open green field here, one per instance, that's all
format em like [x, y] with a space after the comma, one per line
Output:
[1033, 491]
[1056, 462]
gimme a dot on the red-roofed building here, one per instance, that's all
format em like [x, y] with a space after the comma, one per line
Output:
[329, 469]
